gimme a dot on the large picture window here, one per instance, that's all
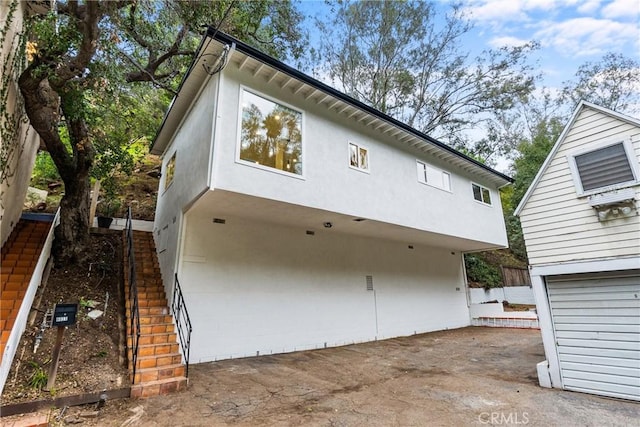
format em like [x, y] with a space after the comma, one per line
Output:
[271, 134]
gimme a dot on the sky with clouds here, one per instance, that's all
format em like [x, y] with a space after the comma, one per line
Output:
[570, 32]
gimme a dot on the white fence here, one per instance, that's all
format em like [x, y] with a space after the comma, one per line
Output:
[511, 294]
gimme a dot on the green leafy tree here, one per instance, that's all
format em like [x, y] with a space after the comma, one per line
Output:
[86, 53]
[613, 82]
[403, 59]
[543, 124]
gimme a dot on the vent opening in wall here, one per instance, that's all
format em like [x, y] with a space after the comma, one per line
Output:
[311, 232]
[359, 219]
[369, 283]
[219, 221]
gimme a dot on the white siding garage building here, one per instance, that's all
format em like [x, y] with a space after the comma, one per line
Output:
[582, 231]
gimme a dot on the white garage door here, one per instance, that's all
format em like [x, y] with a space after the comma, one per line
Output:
[596, 322]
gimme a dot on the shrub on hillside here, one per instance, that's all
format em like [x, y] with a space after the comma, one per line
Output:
[478, 270]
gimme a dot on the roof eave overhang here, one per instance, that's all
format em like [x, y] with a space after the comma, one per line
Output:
[323, 94]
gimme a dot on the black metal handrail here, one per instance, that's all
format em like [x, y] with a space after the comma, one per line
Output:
[134, 310]
[183, 323]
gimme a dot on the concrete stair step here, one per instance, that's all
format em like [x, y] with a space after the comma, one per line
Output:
[159, 338]
[157, 361]
[155, 319]
[157, 349]
[159, 373]
[158, 328]
[151, 294]
[159, 387]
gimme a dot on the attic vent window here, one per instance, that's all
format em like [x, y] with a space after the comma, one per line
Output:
[603, 169]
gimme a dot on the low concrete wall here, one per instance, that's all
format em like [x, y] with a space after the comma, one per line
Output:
[492, 314]
[486, 310]
[512, 294]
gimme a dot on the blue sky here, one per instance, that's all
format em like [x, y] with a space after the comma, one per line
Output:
[571, 32]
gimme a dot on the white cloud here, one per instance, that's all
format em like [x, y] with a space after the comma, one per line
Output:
[589, 7]
[497, 10]
[586, 36]
[540, 4]
[507, 41]
[622, 9]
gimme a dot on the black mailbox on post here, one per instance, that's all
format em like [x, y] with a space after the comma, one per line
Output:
[64, 314]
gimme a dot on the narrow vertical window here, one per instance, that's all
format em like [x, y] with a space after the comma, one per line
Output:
[170, 171]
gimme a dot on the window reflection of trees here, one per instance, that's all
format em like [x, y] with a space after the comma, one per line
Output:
[271, 134]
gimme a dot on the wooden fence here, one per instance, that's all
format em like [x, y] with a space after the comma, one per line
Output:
[515, 276]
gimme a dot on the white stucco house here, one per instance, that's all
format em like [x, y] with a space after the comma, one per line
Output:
[582, 231]
[296, 217]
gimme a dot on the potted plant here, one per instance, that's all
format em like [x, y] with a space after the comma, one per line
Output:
[107, 209]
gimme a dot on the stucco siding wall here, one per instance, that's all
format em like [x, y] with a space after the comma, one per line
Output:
[558, 225]
[192, 148]
[21, 155]
[255, 288]
[390, 192]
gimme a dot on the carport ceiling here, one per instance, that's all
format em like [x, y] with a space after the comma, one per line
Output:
[228, 205]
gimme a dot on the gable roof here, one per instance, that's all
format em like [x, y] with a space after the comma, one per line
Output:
[581, 106]
[245, 56]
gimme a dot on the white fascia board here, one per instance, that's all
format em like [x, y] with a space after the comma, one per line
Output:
[554, 150]
[590, 266]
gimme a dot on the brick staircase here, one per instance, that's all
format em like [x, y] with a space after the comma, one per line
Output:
[20, 255]
[159, 367]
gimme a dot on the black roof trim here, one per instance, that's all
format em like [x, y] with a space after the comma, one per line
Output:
[292, 72]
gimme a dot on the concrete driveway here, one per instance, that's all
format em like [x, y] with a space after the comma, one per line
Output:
[469, 376]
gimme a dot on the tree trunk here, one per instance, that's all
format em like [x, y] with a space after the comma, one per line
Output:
[42, 105]
[72, 235]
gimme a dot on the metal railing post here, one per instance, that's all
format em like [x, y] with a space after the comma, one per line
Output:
[134, 310]
[183, 322]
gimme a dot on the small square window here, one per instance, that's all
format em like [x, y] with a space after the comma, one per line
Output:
[358, 157]
[481, 194]
[605, 168]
